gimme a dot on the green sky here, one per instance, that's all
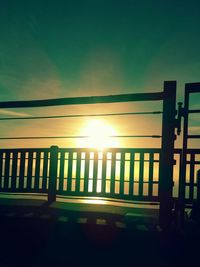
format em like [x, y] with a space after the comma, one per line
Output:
[94, 47]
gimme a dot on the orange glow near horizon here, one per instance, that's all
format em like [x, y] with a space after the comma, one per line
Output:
[99, 135]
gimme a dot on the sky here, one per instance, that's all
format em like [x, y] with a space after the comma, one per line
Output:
[55, 49]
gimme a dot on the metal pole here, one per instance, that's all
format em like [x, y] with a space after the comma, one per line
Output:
[167, 155]
[184, 156]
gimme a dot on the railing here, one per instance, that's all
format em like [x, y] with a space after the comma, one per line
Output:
[115, 173]
[129, 174]
[192, 167]
[24, 170]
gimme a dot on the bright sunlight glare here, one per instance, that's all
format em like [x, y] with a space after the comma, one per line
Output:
[99, 133]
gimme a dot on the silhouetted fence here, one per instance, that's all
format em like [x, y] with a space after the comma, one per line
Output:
[135, 174]
[131, 174]
[191, 181]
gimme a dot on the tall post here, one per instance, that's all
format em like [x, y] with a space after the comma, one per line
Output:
[167, 154]
[184, 156]
[53, 174]
[198, 188]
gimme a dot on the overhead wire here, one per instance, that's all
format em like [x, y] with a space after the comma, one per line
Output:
[77, 136]
[82, 115]
[77, 116]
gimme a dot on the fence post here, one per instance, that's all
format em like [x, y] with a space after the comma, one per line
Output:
[53, 174]
[198, 187]
[167, 154]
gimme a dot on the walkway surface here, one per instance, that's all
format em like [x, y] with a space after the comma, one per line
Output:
[93, 210]
[86, 233]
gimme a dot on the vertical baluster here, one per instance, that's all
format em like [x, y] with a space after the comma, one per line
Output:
[150, 174]
[104, 163]
[69, 178]
[45, 168]
[21, 171]
[7, 169]
[131, 190]
[122, 163]
[30, 167]
[14, 172]
[191, 188]
[113, 172]
[179, 177]
[37, 170]
[86, 174]
[78, 172]
[141, 174]
[61, 177]
[95, 172]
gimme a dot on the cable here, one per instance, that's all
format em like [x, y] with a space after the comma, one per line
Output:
[82, 115]
[78, 136]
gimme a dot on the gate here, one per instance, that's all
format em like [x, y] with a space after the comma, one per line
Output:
[189, 184]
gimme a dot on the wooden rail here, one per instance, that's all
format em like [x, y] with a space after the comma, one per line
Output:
[84, 100]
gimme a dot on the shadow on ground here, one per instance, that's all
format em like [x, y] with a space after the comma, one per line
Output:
[36, 241]
[37, 234]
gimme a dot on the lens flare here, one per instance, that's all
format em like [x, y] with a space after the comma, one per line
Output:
[99, 135]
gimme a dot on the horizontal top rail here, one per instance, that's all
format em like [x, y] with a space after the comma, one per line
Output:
[193, 111]
[193, 87]
[192, 150]
[2, 150]
[83, 100]
[113, 149]
[193, 136]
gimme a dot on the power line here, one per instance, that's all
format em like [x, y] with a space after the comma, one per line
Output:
[82, 115]
[77, 136]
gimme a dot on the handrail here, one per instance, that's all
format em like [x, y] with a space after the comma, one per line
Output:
[83, 100]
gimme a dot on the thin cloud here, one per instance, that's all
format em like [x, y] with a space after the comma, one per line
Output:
[13, 113]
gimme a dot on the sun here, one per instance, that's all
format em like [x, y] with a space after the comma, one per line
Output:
[99, 135]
